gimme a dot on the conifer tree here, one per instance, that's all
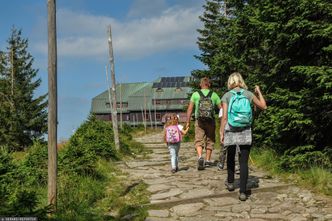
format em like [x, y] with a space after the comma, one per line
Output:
[294, 39]
[25, 115]
[285, 47]
[208, 42]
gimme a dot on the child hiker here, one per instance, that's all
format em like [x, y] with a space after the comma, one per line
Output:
[173, 136]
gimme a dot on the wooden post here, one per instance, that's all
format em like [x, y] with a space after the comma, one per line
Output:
[150, 115]
[144, 110]
[143, 118]
[121, 126]
[52, 104]
[114, 104]
[155, 114]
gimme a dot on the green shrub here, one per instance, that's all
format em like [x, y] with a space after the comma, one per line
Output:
[304, 157]
[97, 136]
[77, 196]
[17, 199]
[85, 172]
[79, 160]
[93, 139]
[33, 169]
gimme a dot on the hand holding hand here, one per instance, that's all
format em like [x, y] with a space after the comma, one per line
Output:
[188, 124]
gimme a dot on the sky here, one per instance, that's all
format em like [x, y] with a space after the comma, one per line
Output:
[151, 38]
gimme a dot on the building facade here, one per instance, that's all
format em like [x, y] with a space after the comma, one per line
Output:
[145, 103]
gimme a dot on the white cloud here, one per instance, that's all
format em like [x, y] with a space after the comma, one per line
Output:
[85, 35]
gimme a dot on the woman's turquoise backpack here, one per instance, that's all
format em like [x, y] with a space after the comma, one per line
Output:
[239, 110]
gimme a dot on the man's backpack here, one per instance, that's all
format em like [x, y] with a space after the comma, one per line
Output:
[205, 106]
[173, 134]
[239, 110]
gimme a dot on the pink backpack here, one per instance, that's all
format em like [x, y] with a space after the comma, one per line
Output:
[173, 134]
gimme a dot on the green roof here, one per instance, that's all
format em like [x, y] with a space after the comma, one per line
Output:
[126, 89]
[138, 94]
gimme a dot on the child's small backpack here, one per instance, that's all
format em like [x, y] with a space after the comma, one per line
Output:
[205, 106]
[239, 110]
[173, 134]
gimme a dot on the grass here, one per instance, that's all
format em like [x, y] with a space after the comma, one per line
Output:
[109, 196]
[317, 179]
[123, 197]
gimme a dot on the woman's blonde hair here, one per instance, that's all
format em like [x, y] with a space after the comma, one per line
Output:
[236, 80]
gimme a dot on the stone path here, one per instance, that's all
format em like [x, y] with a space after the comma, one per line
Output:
[191, 195]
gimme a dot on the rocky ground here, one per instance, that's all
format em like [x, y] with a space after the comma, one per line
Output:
[192, 195]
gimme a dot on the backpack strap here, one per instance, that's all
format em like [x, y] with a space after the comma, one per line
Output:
[232, 100]
[237, 92]
[209, 94]
[179, 131]
[202, 95]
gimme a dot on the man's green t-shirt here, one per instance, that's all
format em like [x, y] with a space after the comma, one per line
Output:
[195, 99]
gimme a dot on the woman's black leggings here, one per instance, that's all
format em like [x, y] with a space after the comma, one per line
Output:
[243, 158]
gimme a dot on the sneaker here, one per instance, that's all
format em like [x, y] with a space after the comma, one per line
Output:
[220, 166]
[237, 169]
[230, 186]
[242, 197]
[208, 163]
[200, 164]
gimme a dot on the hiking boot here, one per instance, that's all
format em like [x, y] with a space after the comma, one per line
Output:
[242, 197]
[208, 163]
[230, 186]
[200, 164]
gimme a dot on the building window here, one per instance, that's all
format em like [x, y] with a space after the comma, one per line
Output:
[159, 89]
[107, 104]
[124, 104]
[158, 116]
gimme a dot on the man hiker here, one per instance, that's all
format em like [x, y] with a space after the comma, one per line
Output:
[205, 101]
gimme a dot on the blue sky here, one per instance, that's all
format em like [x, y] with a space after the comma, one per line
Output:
[151, 38]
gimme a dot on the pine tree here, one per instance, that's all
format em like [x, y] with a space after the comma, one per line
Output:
[220, 42]
[295, 37]
[286, 48]
[208, 42]
[25, 116]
